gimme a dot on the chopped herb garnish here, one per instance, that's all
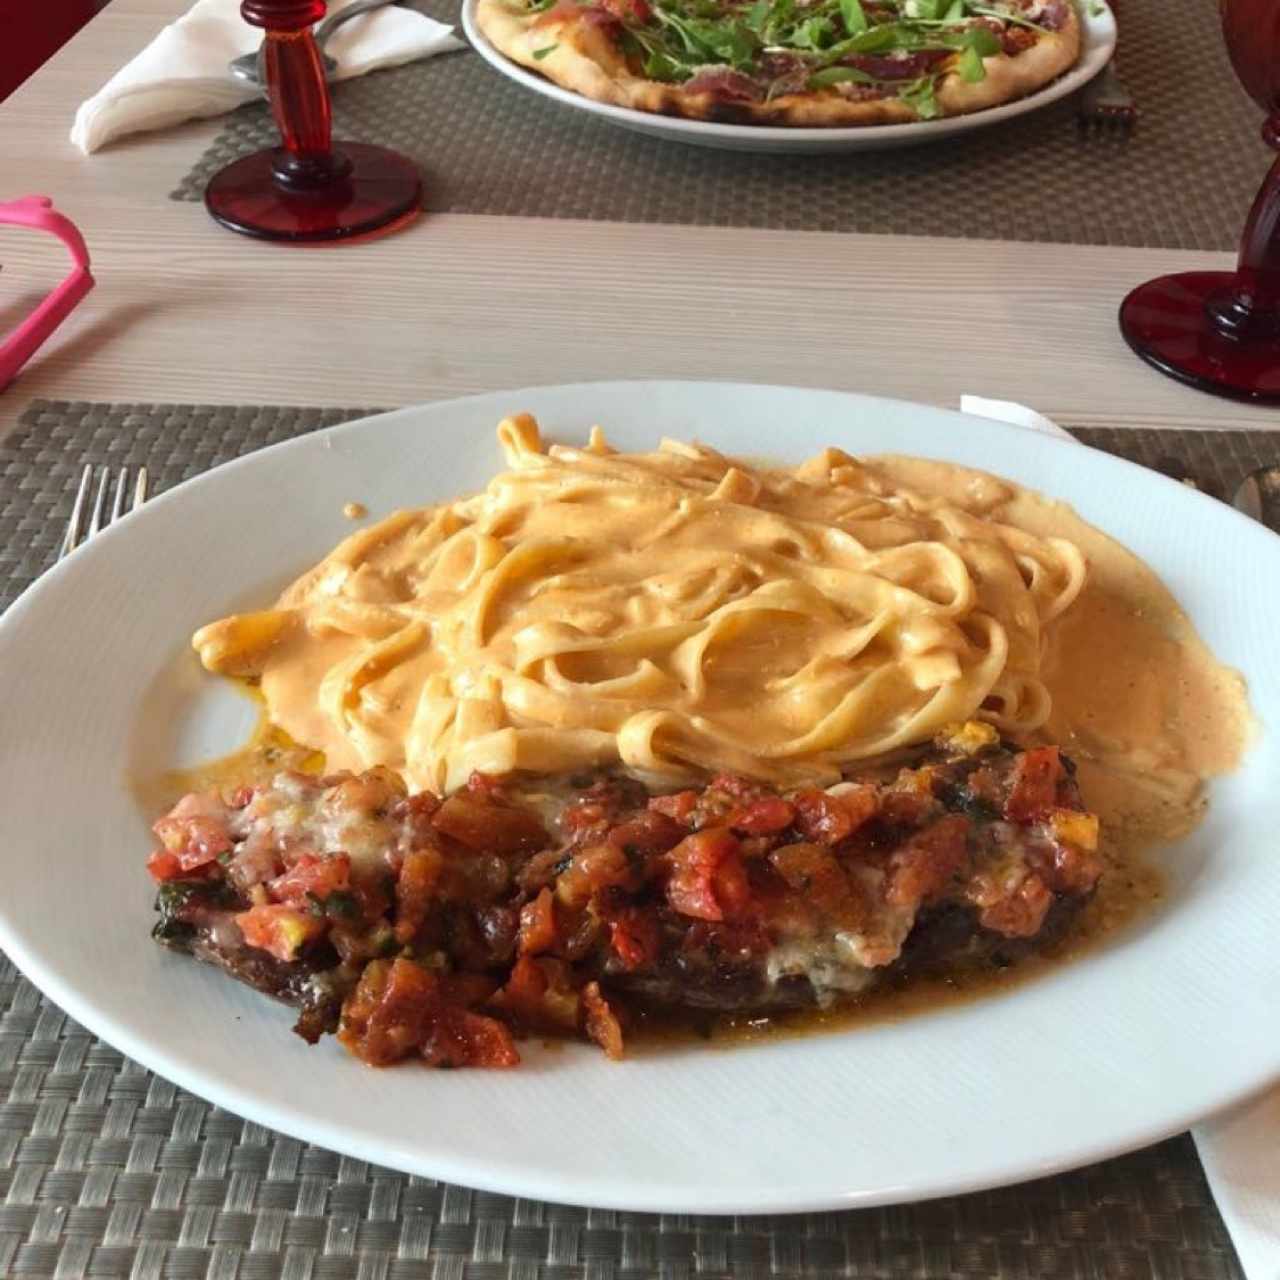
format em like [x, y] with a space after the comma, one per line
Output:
[341, 905]
[821, 43]
[813, 33]
[1017, 19]
[969, 66]
[983, 41]
[659, 66]
[878, 40]
[919, 96]
[828, 76]
[855, 20]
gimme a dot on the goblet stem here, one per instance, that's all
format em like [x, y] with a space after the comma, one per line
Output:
[1250, 308]
[1218, 330]
[307, 189]
[299, 100]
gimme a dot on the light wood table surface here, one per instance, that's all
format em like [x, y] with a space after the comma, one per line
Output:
[185, 311]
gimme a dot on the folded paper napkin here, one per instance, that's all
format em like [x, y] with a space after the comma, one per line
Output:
[1240, 1151]
[182, 74]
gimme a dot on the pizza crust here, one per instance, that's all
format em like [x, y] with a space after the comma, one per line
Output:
[585, 60]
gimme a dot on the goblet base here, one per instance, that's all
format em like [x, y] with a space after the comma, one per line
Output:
[380, 188]
[1167, 323]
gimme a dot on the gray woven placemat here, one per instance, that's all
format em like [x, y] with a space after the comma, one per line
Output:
[1184, 180]
[108, 1171]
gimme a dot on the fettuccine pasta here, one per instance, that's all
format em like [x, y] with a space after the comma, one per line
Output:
[678, 612]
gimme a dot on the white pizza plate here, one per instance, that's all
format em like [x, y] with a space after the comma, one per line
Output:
[1099, 31]
[100, 692]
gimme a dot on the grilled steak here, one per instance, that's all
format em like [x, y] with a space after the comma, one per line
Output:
[415, 925]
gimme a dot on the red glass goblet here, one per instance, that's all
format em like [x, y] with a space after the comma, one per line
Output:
[307, 189]
[1217, 330]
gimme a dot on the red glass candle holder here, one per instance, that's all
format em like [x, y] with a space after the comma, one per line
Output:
[307, 189]
[1218, 330]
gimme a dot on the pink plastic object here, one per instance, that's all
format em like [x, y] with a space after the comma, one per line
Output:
[38, 212]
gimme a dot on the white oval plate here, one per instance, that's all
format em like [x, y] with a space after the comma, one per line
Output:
[1099, 32]
[99, 689]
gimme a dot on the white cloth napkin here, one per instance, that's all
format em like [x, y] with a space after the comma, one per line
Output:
[182, 74]
[1240, 1151]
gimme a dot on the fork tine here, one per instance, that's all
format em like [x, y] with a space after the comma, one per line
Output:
[123, 501]
[117, 503]
[99, 504]
[72, 538]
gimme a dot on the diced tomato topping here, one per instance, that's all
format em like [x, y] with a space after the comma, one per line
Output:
[372, 793]
[637, 11]
[489, 828]
[824, 818]
[734, 784]
[373, 897]
[195, 840]
[540, 870]
[415, 812]
[399, 1008]
[924, 866]
[484, 784]
[918, 782]
[1021, 912]
[538, 925]
[986, 784]
[600, 1022]
[1072, 869]
[597, 867]
[415, 888]
[811, 870]
[459, 1038]
[382, 1019]
[164, 865]
[1035, 784]
[466, 990]
[906, 808]
[539, 995]
[584, 815]
[679, 806]
[312, 877]
[648, 833]
[278, 929]
[763, 817]
[708, 880]
[635, 937]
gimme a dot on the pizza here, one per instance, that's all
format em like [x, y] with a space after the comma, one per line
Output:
[813, 63]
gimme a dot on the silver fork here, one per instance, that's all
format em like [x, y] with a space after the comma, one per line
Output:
[100, 516]
[1257, 495]
[249, 67]
[1106, 106]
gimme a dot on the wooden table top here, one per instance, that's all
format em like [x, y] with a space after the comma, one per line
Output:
[453, 304]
